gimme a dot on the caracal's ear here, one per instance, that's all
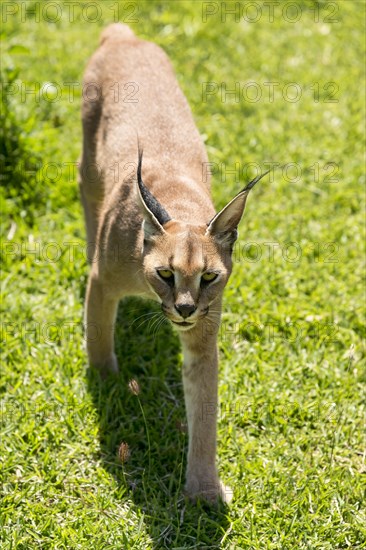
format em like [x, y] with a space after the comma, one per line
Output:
[153, 213]
[223, 226]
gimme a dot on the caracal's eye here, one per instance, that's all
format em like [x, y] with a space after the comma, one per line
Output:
[208, 277]
[165, 273]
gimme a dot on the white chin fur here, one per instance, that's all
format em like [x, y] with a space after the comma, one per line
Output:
[183, 329]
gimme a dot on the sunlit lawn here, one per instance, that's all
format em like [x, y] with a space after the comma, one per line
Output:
[292, 371]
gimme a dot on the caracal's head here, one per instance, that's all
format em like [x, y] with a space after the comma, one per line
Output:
[187, 266]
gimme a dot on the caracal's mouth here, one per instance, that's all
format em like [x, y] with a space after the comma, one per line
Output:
[183, 323]
[183, 326]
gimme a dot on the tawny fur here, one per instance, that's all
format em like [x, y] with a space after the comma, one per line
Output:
[132, 97]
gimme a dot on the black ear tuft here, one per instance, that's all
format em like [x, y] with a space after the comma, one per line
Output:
[252, 183]
[150, 201]
[224, 224]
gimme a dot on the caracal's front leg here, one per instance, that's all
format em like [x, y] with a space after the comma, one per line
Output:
[200, 380]
[100, 315]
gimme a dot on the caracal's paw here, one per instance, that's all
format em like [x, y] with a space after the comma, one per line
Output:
[106, 367]
[212, 492]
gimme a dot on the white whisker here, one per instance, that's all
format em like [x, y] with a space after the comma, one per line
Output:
[150, 313]
[159, 325]
[147, 320]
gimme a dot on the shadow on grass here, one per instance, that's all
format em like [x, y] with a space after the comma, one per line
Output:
[151, 427]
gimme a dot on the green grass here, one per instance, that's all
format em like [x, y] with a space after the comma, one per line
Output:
[292, 369]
